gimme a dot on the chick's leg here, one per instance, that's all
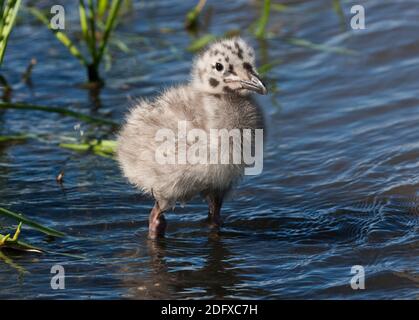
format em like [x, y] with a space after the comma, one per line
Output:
[156, 223]
[215, 201]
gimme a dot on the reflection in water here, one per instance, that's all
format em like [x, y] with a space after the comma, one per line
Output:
[94, 96]
[215, 275]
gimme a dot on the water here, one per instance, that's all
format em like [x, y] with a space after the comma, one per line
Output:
[339, 187]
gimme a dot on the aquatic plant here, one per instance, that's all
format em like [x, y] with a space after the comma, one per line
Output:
[192, 17]
[201, 42]
[96, 31]
[6, 241]
[104, 148]
[6, 238]
[261, 24]
[35, 225]
[13, 138]
[8, 13]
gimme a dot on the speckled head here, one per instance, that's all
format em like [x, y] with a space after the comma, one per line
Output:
[227, 66]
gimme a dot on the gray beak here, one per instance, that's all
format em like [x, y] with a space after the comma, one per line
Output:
[254, 84]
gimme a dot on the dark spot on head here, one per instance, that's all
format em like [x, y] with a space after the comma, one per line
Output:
[250, 53]
[239, 50]
[213, 82]
[231, 69]
[227, 59]
[228, 47]
[247, 66]
[227, 89]
[216, 52]
[217, 96]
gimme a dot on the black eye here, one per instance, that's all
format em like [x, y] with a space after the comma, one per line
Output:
[219, 66]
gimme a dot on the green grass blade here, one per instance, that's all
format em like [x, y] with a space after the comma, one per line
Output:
[13, 138]
[201, 42]
[83, 21]
[23, 246]
[76, 146]
[61, 36]
[2, 17]
[62, 111]
[193, 15]
[103, 148]
[263, 20]
[20, 218]
[110, 21]
[102, 6]
[92, 30]
[14, 243]
[8, 20]
[86, 27]
[265, 68]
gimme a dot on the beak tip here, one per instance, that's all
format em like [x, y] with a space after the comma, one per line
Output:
[260, 85]
[256, 85]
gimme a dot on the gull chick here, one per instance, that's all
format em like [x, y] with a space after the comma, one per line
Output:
[218, 96]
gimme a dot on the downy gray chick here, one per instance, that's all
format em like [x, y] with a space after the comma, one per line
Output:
[217, 97]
